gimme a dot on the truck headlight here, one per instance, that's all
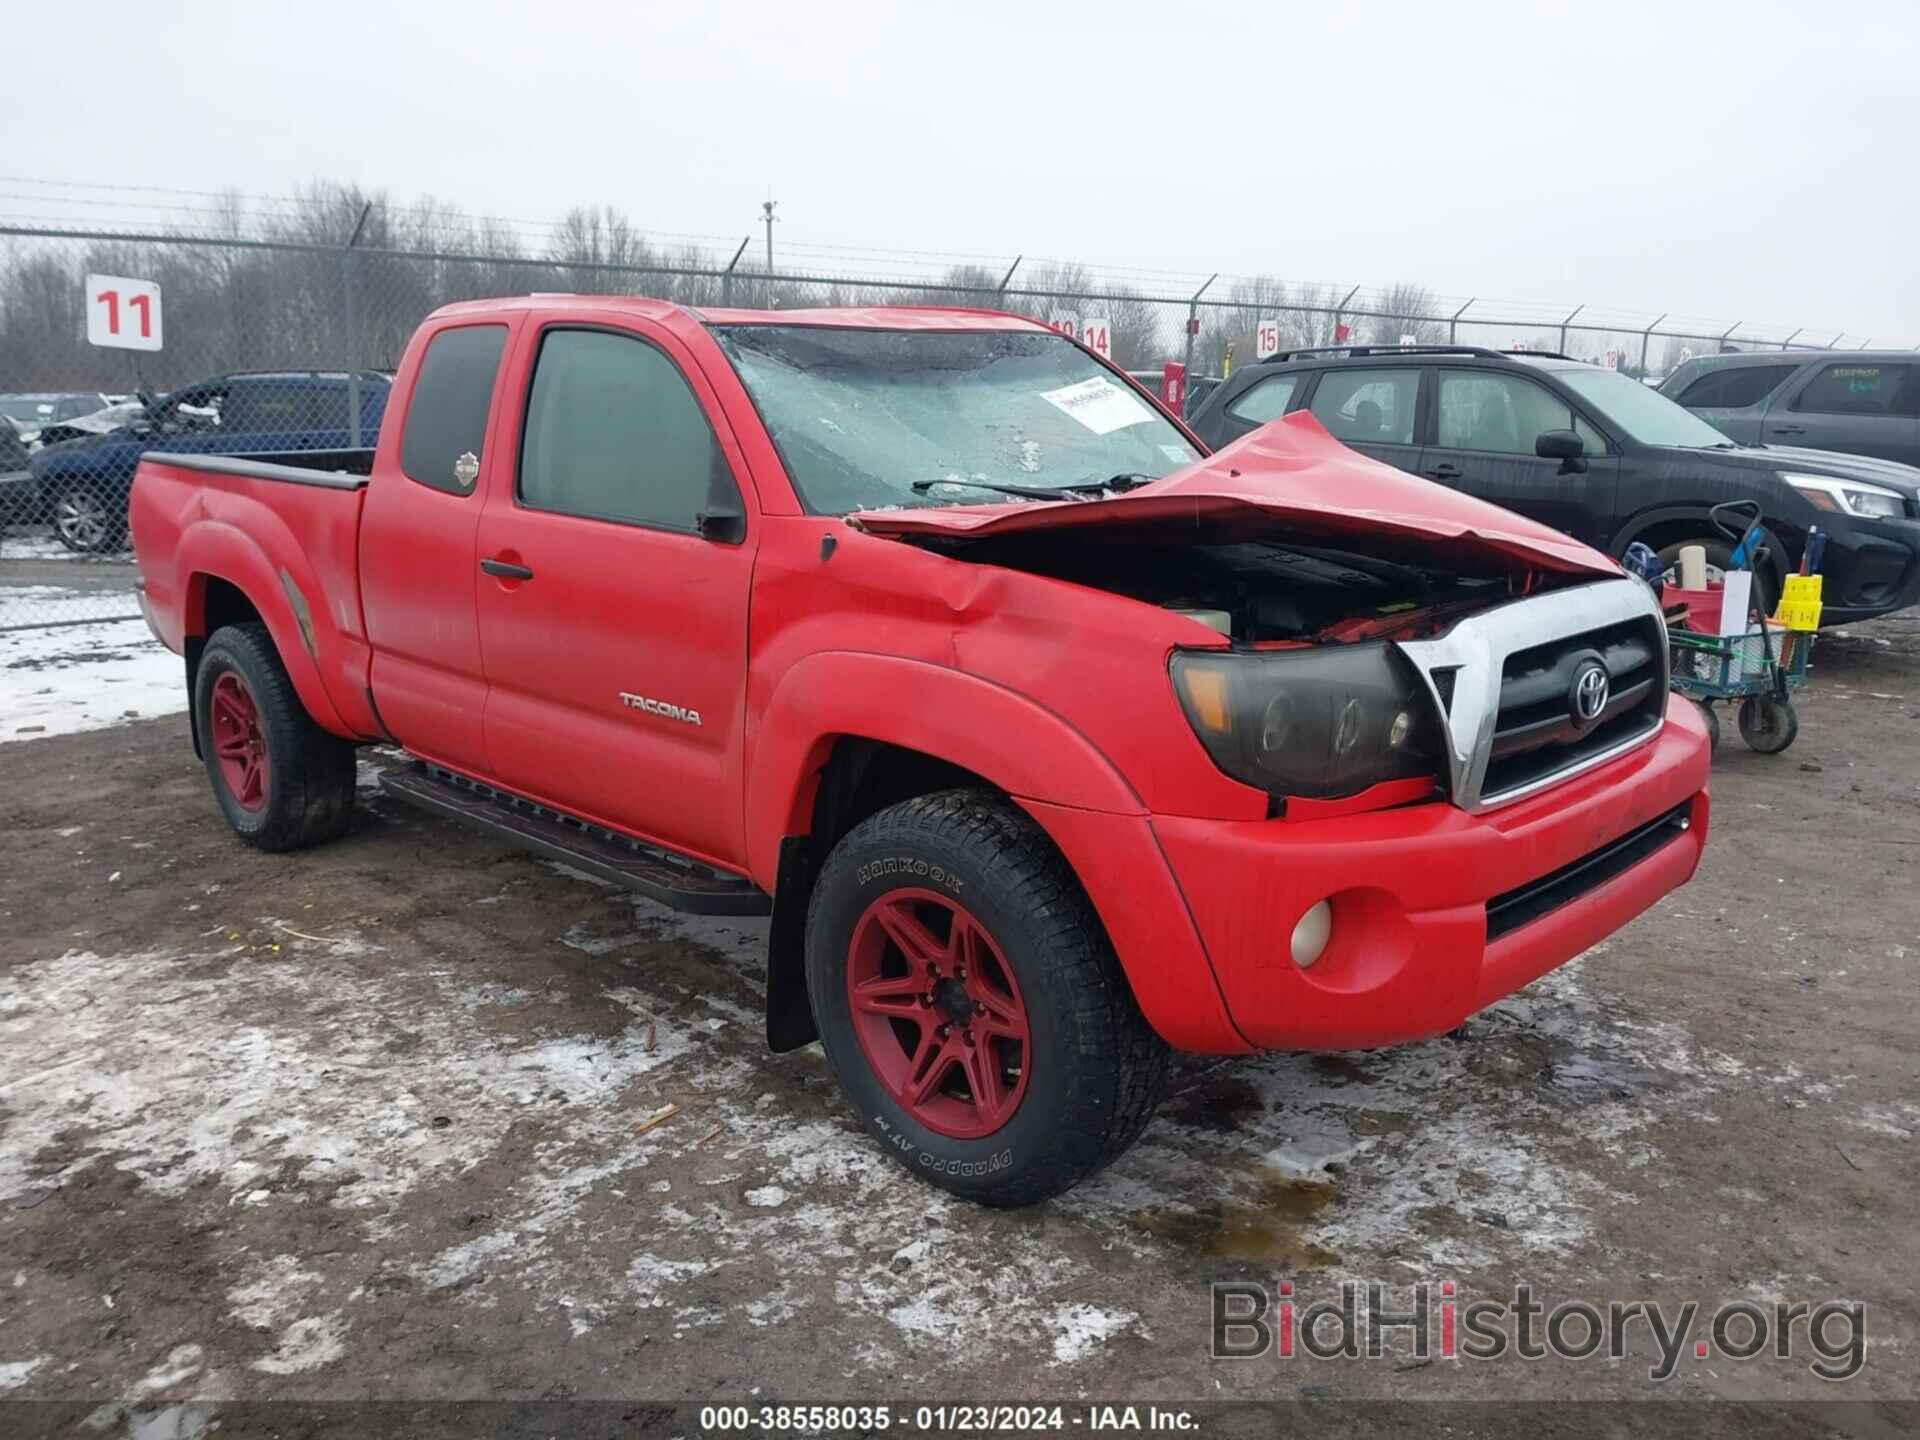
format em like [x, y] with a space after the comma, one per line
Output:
[1321, 723]
[1850, 497]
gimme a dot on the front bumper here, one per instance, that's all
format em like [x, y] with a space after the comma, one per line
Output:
[1410, 954]
[1871, 567]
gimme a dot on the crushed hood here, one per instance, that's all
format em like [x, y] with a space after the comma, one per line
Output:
[1292, 471]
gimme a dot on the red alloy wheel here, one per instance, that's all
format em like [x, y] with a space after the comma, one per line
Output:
[938, 1013]
[239, 744]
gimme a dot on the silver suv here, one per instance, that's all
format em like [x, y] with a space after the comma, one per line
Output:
[1859, 402]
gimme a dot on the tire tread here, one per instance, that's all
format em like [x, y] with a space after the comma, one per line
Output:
[317, 767]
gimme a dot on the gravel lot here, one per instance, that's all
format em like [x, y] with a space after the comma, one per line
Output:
[413, 1117]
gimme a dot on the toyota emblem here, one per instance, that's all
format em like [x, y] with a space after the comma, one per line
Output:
[1589, 698]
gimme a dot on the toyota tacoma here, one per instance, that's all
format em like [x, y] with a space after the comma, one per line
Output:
[1050, 742]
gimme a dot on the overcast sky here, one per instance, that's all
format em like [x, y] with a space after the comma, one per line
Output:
[1727, 158]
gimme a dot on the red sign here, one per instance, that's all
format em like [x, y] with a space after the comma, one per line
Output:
[1342, 334]
[1173, 386]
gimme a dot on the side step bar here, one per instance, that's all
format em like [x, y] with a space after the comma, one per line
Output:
[667, 876]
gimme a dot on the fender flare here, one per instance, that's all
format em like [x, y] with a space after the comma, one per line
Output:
[213, 550]
[948, 714]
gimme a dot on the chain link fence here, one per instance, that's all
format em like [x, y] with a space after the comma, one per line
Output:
[278, 344]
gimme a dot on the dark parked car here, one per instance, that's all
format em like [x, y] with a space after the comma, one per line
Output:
[1861, 402]
[1594, 453]
[85, 481]
[16, 482]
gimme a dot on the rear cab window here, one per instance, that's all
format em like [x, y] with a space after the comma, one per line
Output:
[1848, 387]
[1368, 407]
[447, 418]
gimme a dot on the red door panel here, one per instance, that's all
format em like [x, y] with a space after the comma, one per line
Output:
[617, 674]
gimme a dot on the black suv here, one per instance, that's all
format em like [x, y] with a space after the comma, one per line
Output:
[1594, 453]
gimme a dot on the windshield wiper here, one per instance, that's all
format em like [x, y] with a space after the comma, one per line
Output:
[1126, 480]
[1025, 492]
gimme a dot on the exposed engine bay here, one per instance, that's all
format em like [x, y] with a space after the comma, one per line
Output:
[1262, 590]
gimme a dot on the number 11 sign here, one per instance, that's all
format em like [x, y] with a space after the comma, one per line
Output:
[123, 314]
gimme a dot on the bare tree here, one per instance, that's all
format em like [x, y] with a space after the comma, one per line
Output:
[1406, 309]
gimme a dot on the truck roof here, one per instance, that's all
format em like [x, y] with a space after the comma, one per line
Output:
[848, 317]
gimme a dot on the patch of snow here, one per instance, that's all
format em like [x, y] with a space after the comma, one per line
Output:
[307, 1344]
[767, 1197]
[1081, 1329]
[138, 1061]
[14, 1373]
[183, 1362]
[263, 1301]
[84, 677]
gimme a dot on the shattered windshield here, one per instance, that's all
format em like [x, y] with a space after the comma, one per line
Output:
[861, 417]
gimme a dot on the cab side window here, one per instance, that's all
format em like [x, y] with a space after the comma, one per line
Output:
[1504, 414]
[447, 417]
[1368, 406]
[614, 432]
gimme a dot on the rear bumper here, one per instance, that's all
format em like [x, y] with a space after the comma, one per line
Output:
[1410, 953]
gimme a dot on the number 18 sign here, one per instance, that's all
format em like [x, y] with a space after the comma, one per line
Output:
[123, 314]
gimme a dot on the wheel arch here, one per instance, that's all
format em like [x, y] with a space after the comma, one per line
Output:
[231, 582]
[1667, 524]
[828, 757]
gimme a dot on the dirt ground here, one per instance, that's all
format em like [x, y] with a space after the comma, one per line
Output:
[414, 1117]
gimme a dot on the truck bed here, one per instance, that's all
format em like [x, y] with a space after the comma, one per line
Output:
[284, 531]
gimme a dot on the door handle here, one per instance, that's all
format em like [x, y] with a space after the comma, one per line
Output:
[506, 570]
[1789, 429]
[1446, 472]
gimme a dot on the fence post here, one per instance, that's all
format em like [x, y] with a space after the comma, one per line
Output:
[1193, 328]
[1646, 338]
[1338, 310]
[1735, 326]
[353, 329]
[1007, 279]
[726, 276]
[1453, 325]
[1564, 324]
[1787, 344]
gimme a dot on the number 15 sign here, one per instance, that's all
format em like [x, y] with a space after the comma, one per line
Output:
[123, 314]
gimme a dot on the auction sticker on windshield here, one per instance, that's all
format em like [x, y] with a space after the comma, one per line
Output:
[1098, 404]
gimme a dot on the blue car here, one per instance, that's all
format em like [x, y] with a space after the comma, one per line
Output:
[84, 483]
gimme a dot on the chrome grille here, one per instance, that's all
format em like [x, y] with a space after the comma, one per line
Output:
[1502, 680]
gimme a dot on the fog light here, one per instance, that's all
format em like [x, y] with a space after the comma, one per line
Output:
[1310, 935]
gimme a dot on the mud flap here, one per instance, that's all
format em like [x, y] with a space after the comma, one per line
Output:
[789, 1012]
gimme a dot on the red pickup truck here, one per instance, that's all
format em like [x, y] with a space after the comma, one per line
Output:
[1050, 742]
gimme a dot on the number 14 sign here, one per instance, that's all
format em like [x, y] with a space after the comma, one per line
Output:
[123, 314]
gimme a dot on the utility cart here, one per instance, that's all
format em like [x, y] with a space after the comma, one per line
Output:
[1762, 664]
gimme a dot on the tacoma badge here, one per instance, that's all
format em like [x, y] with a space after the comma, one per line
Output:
[661, 708]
